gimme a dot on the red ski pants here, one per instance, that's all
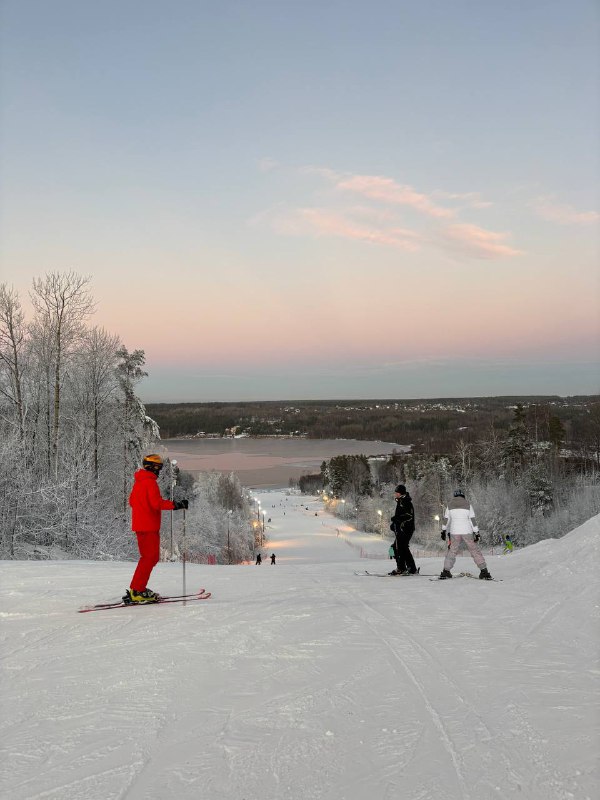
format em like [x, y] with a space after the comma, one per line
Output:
[149, 547]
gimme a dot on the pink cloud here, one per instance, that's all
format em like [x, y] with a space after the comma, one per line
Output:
[547, 208]
[377, 222]
[477, 242]
[465, 199]
[334, 224]
[387, 190]
[378, 229]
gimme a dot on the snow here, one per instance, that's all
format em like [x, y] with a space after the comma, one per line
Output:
[303, 681]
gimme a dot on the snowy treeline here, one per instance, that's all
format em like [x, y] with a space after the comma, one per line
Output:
[73, 432]
[527, 489]
[72, 429]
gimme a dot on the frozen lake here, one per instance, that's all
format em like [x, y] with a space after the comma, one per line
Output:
[266, 462]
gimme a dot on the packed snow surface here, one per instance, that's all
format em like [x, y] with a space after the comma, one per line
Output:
[304, 681]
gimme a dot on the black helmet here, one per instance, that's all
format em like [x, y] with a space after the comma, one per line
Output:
[459, 493]
[400, 489]
[153, 463]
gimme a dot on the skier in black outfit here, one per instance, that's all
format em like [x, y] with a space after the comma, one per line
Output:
[403, 525]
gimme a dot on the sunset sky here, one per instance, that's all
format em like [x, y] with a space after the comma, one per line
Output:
[316, 199]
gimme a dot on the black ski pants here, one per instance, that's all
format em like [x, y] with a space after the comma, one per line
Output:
[404, 559]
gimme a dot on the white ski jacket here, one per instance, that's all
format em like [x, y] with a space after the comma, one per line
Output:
[459, 518]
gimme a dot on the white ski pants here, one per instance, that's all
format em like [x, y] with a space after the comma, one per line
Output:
[473, 547]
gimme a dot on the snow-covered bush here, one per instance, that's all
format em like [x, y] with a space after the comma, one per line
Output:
[217, 522]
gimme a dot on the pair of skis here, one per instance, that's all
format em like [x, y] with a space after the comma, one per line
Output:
[476, 577]
[365, 574]
[418, 573]
[202, 594]
[466, 575]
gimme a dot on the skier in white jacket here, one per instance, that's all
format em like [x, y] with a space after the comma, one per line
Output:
[459, 523]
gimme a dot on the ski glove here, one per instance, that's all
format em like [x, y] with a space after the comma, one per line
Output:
[443, 536]
[476, 537]
[179, 504]
[393, 527]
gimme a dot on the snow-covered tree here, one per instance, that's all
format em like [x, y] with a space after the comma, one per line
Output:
[517, 446]
[61, 429]
[62, 303]
[13, 354]
[217, 521]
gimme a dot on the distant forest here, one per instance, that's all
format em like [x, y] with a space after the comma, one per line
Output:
[430, 426]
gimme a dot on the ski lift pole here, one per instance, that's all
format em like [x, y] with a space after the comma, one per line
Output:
[184, 602]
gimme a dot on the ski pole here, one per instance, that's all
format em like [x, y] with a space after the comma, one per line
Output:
[184, 592]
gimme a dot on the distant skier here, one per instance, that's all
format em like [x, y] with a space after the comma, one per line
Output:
[259, 559]
[272, 558]
[403, 525]
[146, 505]
[508, 545]
[459, 520]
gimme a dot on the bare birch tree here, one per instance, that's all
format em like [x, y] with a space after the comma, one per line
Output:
[13, 338]
[95, 382]
[62, 303]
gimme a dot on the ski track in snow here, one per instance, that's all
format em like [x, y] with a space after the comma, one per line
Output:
[435, 717]
[432, 669]
[299, 682]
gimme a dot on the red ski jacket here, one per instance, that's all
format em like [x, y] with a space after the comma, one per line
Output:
[146, 502]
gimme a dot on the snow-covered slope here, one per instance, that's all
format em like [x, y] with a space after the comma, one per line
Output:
[303, 681]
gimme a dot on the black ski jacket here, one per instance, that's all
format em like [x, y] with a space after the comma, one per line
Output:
[404, 515]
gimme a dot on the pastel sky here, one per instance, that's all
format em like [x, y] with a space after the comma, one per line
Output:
[316, 199]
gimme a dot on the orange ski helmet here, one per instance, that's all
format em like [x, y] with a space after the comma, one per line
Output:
[153, 462]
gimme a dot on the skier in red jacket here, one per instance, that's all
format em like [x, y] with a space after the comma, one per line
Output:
[146, 505]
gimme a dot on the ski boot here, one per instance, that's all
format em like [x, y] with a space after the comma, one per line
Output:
[484, 575]
[147, 596]
[445, 574]
[394, 572]
[408, 572]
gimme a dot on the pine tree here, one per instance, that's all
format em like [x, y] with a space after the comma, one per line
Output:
[518, 444]
[129, 372]
[556, 432]
[539, 489]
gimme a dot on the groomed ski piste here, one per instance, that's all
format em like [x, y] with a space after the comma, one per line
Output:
[302, 681]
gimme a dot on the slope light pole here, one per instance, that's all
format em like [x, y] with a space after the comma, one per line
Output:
[229, 513]
[171, 465]
[184, 601]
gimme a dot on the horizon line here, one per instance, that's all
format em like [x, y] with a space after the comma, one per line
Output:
[375, 399]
